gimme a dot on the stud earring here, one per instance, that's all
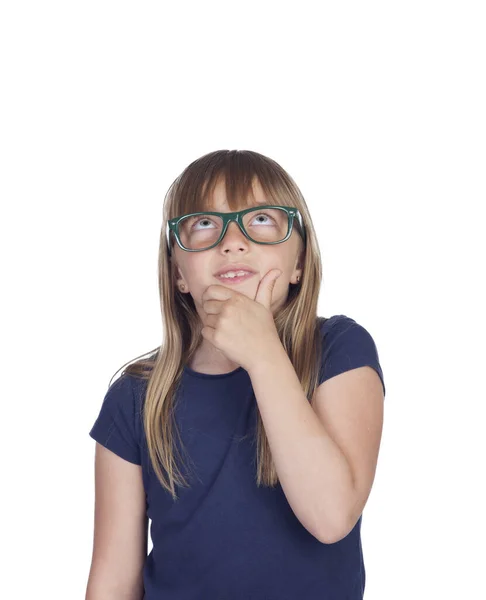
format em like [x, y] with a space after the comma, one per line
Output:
[183, 287]
[298, 278]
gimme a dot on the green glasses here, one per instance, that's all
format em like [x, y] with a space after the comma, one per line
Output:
[266, 224]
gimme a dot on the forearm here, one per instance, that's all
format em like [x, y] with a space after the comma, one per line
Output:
[313, 472]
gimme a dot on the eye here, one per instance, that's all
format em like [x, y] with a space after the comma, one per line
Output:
[265, 216]
[201, 219]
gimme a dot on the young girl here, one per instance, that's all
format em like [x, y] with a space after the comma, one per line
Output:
[250, 437]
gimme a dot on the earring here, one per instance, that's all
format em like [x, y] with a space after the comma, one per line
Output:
[298, 278]
[183, 287]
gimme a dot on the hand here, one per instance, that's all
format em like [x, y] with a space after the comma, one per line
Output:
[242, 328]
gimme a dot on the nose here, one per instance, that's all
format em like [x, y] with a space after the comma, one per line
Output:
[234, 237]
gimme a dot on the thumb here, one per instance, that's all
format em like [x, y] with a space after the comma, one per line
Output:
[265, 287]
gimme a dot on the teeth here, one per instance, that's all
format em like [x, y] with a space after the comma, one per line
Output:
[231, 274]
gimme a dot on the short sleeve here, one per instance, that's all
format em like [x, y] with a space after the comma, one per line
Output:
[347, 345]
[115, 427]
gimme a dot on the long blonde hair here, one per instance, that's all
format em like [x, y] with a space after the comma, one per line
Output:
[296, 322]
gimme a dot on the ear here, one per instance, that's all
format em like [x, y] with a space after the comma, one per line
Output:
[180, 282]
[298, 268]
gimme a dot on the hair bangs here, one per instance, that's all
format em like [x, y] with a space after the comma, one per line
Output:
[239, 170]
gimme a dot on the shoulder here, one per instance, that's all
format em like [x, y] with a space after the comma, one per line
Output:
[120, 392]
[126, 391]
[333, 329]
[332, 326]
[346, 344]
[119, 425]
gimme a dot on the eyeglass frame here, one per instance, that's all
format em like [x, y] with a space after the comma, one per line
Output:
[292, 213]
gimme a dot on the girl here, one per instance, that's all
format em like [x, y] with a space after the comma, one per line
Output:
[250, 437]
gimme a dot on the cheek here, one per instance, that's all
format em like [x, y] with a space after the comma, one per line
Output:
[194, 268]
[199, 276]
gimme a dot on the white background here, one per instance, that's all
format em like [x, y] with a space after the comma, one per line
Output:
[377, 110]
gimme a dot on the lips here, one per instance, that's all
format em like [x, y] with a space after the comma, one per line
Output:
[237, 279]
[234, 267]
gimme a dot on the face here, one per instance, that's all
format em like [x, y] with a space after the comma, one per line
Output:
[196, 270]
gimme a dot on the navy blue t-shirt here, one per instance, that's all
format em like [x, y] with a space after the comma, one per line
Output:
[225, 538]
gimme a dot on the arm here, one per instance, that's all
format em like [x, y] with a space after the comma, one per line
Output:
[120, 531]
[314, 473]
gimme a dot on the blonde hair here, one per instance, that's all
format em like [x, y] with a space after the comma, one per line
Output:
[296, 322]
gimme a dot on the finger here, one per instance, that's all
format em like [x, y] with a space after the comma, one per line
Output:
[216, 292]
[266, 286]
[211, 321]
[213, 307]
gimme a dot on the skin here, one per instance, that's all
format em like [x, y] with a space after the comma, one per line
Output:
[195, 271]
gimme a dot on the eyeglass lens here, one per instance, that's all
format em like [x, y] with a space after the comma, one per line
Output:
[262, 225]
